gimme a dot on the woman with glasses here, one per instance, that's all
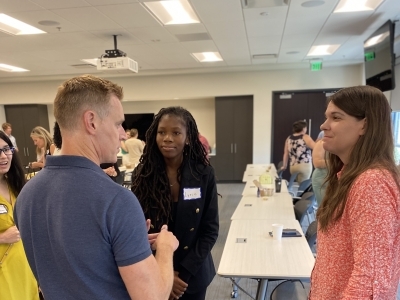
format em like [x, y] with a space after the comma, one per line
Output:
[16, 279]
[44, 146]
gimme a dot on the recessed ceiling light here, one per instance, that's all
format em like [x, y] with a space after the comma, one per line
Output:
[16, 27]
[48, 23]
[356, 5]
[8, 68]
[322, 50]
[293, 52]
[312, 3]
[208, 56]
[172, 12]
[376, 39]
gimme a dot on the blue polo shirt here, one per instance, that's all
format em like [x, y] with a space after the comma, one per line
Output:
[78, 227]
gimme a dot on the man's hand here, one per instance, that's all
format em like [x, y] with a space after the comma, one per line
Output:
[151, 236]
[165, 239]
[10, 236]
[178, 287]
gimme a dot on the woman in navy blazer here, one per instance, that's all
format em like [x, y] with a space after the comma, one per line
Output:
[175, 185]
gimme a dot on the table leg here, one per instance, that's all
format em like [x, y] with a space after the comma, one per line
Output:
[261, 289]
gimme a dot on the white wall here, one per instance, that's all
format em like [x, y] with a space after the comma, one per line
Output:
[201, 109]
[260, 84]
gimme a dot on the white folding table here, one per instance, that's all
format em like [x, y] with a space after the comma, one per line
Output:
[250, 252]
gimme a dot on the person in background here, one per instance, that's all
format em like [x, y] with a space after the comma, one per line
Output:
[16, 279]
[319, 175]
[359, 218]
[44, 146]
[205, 144]
[298, 148]
[320, 136]
[7, 130]
[57, 139]
[85, 237]
[125, 156]
[175, 184]
[134, 147]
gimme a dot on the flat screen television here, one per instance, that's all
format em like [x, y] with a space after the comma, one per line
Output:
[380, 59]
[141, 122]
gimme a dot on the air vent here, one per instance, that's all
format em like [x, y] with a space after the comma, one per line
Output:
[192, 37]
[264, 56]
[83, 66]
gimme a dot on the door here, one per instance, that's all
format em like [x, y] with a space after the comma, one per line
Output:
[224, 160]
[289, 107]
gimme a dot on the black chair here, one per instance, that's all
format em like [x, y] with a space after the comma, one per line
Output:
[311, 235]
[120, 178]
[304, 207]
[289, 290]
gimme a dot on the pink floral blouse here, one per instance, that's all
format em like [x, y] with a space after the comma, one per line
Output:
[359, 256]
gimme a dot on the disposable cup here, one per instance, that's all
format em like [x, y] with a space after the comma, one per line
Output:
[277, 231]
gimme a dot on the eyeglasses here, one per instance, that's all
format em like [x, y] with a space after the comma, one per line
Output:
[7, 150]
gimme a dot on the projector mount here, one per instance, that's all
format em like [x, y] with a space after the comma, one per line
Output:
[114, 52]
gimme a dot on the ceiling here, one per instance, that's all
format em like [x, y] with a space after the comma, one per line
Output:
[236, 31]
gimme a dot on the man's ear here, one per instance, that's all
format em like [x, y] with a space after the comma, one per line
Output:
[90, 121]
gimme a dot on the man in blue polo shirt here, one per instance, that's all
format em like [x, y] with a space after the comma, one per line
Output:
[84, 235]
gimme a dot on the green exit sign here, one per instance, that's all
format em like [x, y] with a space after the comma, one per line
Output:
[316, 65]
[369, 56]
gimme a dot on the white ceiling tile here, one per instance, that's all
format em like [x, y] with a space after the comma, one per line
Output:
[153, 34]
[106, 2]
[215, 10]
[169, 48]
[298, 40]
[236, 47]
[11, 6]
[129, 15]
[200, 46]
[186, 28]
[227, 30]
[34, 17]
[276, 13]
[88, 18]
[264, 61]
[265, 45]
[264, 28]
[51, 4]
[238, 62]
[124, 37]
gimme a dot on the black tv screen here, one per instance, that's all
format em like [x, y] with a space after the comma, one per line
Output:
[141, 122]
[379, 58]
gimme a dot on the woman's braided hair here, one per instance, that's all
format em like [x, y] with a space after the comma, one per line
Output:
[150, 181]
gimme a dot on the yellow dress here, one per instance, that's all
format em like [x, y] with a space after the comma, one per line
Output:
[16, 278]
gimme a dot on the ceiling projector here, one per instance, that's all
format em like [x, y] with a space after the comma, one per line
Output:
[117, 64]
[116, 60]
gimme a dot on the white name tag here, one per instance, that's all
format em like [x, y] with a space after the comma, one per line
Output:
[3, 209]
[191, 194]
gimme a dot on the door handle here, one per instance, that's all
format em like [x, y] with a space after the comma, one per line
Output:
[27, 150]
[24, 152]
[231, 148]
[309, 127]
[235, 147]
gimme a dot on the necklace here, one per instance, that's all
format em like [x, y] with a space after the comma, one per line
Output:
[171, 185]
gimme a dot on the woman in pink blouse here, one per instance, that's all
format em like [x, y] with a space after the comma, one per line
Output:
[359, 218]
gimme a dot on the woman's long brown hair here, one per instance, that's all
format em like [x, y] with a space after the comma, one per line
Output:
[375, 149]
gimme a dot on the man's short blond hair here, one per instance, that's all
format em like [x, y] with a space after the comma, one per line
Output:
[86, 92]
